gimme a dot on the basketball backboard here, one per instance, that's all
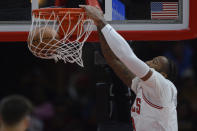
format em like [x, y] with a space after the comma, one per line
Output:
[133, 19]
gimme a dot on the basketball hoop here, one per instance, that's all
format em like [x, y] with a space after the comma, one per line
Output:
[72, 28]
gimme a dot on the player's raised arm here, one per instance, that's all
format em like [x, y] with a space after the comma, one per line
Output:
[118, 45]
[119, 68]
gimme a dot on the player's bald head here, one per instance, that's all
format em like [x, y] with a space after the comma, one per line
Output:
[165, 66]
[164, 63]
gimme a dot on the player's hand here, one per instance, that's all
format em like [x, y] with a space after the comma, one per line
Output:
[94, 13]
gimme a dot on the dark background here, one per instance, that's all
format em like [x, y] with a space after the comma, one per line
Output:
[63, 94]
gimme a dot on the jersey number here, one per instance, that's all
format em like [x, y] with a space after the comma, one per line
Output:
[136, 108]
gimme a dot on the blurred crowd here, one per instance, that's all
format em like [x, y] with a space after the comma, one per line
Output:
[63, 95]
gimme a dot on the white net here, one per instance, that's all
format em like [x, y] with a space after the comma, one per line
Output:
[51, 37]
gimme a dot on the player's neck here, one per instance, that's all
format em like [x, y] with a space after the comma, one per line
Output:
[14, 128]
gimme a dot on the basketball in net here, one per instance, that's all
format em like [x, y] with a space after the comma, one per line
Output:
[44, 42]
[59, 33]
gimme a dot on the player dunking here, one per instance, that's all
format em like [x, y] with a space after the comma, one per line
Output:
[156, 96]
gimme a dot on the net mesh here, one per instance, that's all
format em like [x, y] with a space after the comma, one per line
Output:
[59, 37]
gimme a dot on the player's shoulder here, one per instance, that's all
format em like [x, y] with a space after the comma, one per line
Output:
[159, 81]
[159, 77]
[172, 85]
[167, 84]
[156, 79]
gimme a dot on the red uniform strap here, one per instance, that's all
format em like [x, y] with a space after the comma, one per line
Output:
[133, 123]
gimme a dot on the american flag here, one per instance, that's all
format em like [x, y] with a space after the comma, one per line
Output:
[164, 10]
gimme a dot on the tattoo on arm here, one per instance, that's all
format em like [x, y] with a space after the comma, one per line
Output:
[119, 68]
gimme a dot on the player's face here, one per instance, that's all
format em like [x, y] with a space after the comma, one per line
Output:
[159, 63]
[155, 63]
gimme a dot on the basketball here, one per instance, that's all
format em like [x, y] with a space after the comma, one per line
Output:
[43, 42]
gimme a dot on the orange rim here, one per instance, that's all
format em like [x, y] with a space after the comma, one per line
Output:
[46, 12]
